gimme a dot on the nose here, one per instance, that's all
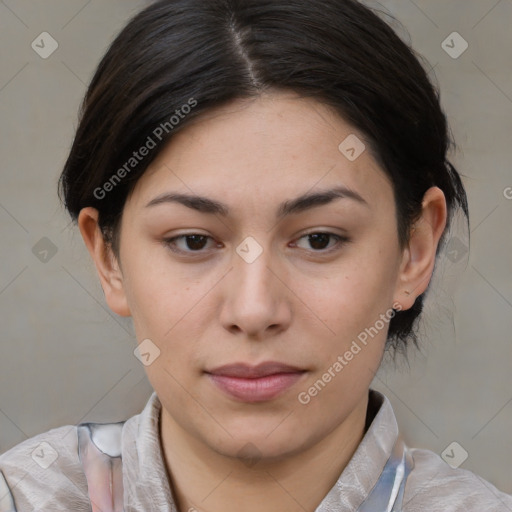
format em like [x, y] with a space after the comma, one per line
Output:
[256, 297]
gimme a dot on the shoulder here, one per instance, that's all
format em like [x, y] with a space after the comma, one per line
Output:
[435, 486]
[44, 472]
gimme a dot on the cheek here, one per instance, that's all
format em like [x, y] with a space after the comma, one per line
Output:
[155, 290]
[349, 354]
[351, 305]
[167, 307]
[354, 294]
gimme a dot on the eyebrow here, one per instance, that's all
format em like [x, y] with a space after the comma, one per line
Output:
[293, 206]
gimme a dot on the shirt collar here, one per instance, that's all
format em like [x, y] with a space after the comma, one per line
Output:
[366, 465]
[145, 478]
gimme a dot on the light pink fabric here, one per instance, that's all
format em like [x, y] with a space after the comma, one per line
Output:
[100, 454]
[432, 485]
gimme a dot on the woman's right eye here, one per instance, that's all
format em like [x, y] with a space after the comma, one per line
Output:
[192, 243]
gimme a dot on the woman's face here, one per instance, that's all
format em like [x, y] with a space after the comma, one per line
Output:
[250, 286]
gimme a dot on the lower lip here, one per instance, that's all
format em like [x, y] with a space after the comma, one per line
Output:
[256, 390]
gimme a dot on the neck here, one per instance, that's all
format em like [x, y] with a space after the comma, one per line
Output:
[204, 480]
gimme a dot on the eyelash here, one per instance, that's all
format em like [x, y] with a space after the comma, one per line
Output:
[341, 241]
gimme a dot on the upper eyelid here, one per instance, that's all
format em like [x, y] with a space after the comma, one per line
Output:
[341, 238]
[314, 232]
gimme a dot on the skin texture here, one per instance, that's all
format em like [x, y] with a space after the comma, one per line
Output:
[297, 303]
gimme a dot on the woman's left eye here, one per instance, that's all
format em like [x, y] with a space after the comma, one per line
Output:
[195, 243]
[319, 240]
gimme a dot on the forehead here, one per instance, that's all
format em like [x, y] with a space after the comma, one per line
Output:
[267, 148]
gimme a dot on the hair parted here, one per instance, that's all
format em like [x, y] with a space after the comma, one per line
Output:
[339, 52]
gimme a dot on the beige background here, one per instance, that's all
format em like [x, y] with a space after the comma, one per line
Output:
[65, 358]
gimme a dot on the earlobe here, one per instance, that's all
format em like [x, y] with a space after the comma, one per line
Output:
[106, 263]
[418, 258]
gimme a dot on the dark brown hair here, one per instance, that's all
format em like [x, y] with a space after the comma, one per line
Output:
[203, 54]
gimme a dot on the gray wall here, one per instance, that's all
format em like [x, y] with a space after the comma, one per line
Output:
[65, 358]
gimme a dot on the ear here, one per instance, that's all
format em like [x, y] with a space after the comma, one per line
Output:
[419, 256]
[108, 268]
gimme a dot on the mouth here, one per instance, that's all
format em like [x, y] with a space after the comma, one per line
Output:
[259, 383]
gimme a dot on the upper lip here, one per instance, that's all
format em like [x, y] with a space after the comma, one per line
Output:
[247, 371]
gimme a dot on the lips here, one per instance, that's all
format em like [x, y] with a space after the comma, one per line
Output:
[259, 383]
[245, 371]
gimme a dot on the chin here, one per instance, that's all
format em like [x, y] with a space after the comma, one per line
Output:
[252, 453]
[259, 444]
